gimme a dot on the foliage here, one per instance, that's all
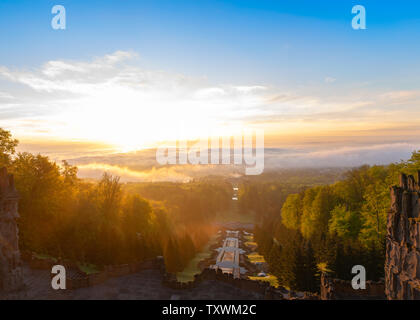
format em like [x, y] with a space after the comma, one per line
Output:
[95, 224]
[304, 219]
[344, 223]
[333, 226]
[7, 148]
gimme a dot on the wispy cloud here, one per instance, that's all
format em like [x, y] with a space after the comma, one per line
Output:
[141, 166]
[330, 80]
[88, 100]
[112, 99]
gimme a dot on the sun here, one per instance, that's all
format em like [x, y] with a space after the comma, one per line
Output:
[131, 122]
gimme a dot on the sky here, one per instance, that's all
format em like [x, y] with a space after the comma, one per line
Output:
[125, 75]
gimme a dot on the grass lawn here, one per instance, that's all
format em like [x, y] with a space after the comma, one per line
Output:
[269, 278]
[255, 257]
[251, 244]
[88, 268]
[85, 267]
[192, 268]
[233, 216]
[42, 256]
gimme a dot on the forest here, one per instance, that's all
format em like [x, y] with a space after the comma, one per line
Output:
[107, 222]
[329, 228]
[307, 221]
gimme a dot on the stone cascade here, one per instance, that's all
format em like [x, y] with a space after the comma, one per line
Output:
[402, 264]
[11, 275]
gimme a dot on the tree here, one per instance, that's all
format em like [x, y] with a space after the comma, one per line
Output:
[171, 255]
[7, 148]
[374, 213]
[344, 223]
[291, 211]
[43, 199]
[275, 260]
[316, 216]
[413, 164]
[109, 188]
[188, 249]
[69, 172]
[307, 223]
[308, 281]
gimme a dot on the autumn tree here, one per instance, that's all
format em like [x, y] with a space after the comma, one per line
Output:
[7, 148]
[292, 211]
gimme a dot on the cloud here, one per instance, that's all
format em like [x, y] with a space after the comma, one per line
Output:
[330, 80]
[176, 173]
[402, 97]
[86, 99]
[96, 170]
[5, 96]
[112, 99]
[345, 156]
[142, 166]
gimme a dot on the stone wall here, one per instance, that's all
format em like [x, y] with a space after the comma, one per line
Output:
[337, 289]
[262, 288]
[11, 276]
[402, 265]
[76, 278]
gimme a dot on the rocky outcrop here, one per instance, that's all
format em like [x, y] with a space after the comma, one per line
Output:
[11, 278]
[337, 289]
[402, 265]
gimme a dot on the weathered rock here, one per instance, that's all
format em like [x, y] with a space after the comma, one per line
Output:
[336, 289]
[11, 277]
[402, 264]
